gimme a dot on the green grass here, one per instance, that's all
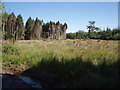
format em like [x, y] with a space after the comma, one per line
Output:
[65, 63]
[32, 52]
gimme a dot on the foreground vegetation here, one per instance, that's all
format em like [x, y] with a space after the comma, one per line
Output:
[65, 63]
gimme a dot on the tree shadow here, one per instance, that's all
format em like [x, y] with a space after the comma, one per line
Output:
[74, 73]
[10, 81]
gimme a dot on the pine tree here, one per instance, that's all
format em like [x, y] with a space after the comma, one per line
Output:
[92, 29]
[29, 27]
[19, 33]
[37, 29]
[64, 28]
[4, 24]
[11, 23]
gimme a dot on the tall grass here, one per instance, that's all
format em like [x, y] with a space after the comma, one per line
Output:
[31, 52]
[66, 63]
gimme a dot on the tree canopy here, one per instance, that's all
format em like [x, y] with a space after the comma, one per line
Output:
[13, 27]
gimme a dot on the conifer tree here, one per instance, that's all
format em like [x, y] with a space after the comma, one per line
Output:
[37, 29]
[11, 25]
[29, 27]
[19, 33]
[4, 24]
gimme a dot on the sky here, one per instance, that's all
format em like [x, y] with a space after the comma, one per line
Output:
[75, 14]
[61, 0]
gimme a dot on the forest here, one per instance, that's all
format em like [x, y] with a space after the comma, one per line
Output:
[96, 33]
[13, 28]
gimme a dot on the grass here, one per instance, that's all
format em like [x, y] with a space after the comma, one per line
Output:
[65, 63]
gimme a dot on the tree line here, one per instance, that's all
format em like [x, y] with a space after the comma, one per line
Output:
[96, 33]
[13, 27]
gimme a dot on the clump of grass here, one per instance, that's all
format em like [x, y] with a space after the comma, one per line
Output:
[9, 49]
